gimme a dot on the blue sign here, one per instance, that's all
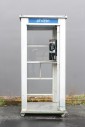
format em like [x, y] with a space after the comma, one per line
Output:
[43, 20]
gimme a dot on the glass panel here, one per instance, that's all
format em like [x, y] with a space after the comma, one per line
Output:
[46, 70]
[33, 70]
[38, 54]
[38, 36]
[39, 86]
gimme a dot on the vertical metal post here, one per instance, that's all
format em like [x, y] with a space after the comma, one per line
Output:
[24, 63]
[54, 66]
[58, 67]
[62, 64]
[40, 69]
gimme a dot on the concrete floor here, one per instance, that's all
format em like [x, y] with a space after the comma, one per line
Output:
[10, 117]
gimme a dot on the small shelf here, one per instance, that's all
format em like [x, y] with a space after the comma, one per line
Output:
[33, 62]
[39, 94]
[40, 78]
[40, 46]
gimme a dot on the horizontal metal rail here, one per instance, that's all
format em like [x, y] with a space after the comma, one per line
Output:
[39, 94]
[41, 46]
[39, 78]
[53, 62]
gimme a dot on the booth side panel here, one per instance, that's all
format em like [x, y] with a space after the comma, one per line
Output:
[58, 66]
[62, 64]
[24, 64]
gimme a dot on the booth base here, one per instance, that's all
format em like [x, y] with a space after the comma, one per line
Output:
[42, 108]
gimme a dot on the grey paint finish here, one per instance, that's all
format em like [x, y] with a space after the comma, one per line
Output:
[10, 41]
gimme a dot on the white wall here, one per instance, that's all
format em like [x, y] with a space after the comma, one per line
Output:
[10, 41]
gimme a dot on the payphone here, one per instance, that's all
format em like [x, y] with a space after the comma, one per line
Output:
[52, 49]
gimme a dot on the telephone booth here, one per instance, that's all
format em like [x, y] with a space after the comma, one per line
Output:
[55, 48]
